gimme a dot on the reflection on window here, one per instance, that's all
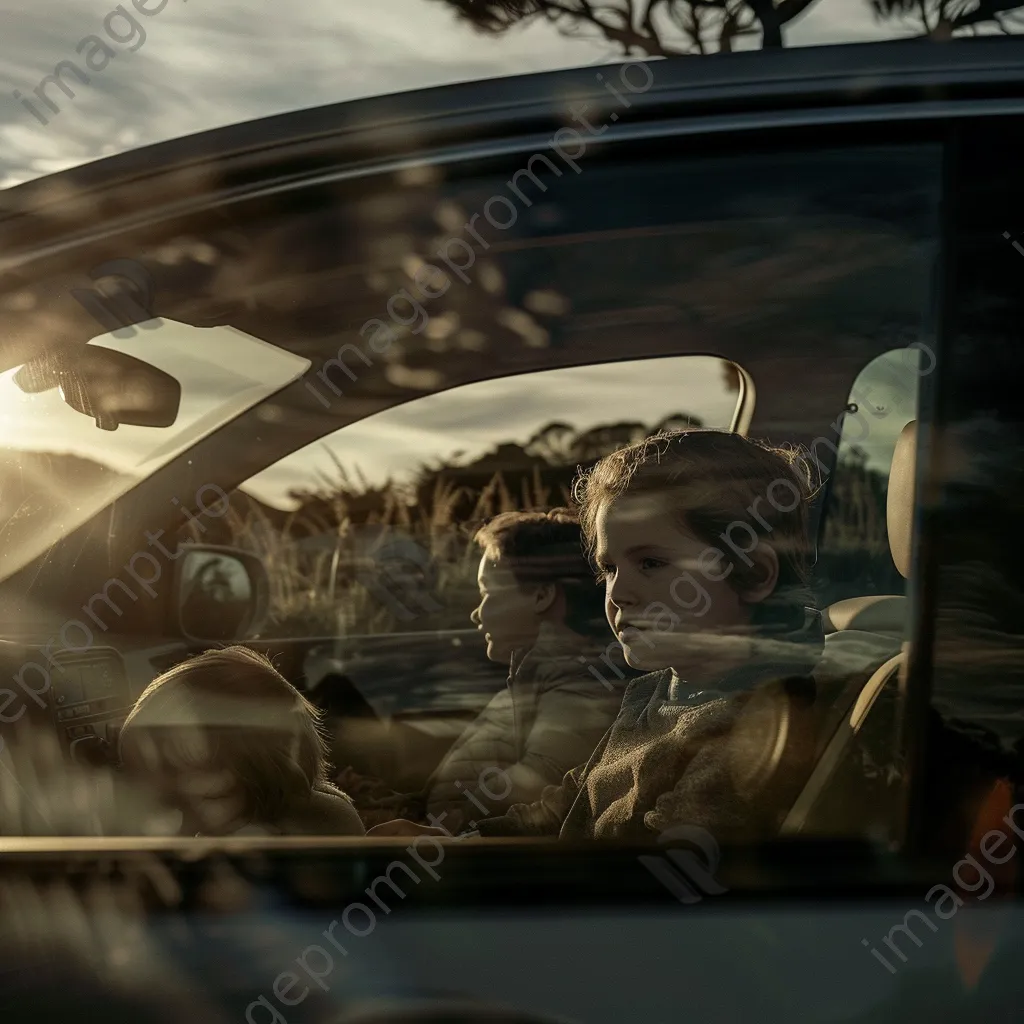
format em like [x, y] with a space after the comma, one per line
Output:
[854, 557]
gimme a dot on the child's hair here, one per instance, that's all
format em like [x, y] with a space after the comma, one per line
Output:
[548, 547]
[723, 486]
[231, 711]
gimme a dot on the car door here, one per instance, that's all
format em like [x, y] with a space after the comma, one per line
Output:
[795, 257]
[533, 270]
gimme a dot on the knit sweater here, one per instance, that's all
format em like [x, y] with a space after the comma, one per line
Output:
[729, 759]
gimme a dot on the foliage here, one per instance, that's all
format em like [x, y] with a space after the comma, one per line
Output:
[672, 28]
[648, 28]
[942, 19]
[356, 560]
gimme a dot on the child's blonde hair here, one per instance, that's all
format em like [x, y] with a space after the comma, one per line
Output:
[230, 711]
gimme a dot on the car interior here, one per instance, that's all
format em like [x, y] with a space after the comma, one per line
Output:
[271, 392]
[246, 466]
[396, 700]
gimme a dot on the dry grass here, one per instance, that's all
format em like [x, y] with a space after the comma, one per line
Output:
[332, 568]
[405, 560]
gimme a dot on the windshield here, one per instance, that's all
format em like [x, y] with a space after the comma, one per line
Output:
[59, 468]
[82, 87]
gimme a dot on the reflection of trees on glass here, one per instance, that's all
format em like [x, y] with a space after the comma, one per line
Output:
[942, 19]
[668, 28]
[376, 559]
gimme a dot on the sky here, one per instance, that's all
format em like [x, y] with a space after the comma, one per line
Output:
[394, 443]
[221, 380]
[204, 64]
[218, 382]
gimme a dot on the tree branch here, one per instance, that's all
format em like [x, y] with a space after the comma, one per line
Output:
[987, 10]
[627, 38]
[790, 9]
[771, 27]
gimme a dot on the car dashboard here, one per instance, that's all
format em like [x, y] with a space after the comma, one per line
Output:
[89, 698]
[82, 697]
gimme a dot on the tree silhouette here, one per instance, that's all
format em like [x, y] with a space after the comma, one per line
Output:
[942, 19]
[553, 443]
[649, 28]
[675, 28]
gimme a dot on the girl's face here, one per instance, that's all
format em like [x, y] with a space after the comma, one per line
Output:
[212, 803]
[667, 594]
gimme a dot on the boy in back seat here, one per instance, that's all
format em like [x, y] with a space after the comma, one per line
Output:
[226, 742]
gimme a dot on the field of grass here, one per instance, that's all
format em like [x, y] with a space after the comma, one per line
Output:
[399, 567]
[355, 560]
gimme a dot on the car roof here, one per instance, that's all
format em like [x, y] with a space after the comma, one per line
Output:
[757, 83]
[196, 70]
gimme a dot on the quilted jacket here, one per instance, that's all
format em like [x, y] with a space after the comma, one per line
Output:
[550, 717]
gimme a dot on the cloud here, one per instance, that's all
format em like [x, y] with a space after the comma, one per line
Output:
[206, 65]
[396, 442]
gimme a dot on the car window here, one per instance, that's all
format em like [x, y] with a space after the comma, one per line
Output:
[476, 336]
[399, 485]
[78, 460]
[854, 559]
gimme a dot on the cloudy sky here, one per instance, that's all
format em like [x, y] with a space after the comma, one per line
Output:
[395, 443]
[208, 63]
[221, 380]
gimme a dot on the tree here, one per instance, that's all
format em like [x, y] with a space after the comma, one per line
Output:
[675, 28]
[648, 28]
[942, 19]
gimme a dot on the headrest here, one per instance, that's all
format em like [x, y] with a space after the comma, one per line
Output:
[899, 506]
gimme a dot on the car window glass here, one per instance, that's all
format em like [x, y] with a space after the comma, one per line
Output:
[853, 553]
[401, 486]
[742, 291]
[78, 466]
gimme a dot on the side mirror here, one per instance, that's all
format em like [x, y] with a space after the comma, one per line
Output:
[220, 594]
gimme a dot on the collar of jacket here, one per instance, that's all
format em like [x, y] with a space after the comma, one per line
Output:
[558, 653]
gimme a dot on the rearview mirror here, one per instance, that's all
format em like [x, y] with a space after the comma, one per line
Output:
[221, 593]
[108, 386]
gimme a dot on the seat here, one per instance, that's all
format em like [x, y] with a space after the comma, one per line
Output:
[881, 614]
[866, 648]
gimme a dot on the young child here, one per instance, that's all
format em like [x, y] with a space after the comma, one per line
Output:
[541, 615]
[701, 540]
[226, 741]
